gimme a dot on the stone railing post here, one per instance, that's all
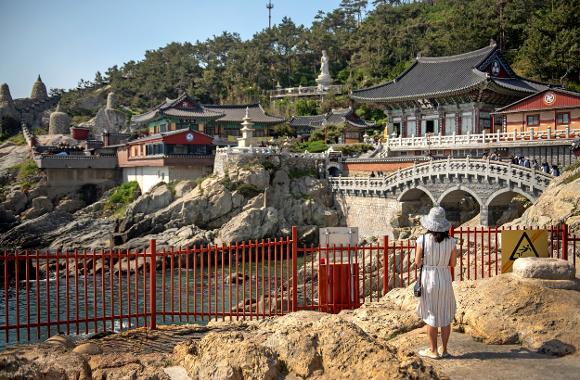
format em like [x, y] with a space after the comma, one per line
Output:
[498, 138]
[483, 136]
[567, 131]
[515, 135]
[549, 133]
[531, 134]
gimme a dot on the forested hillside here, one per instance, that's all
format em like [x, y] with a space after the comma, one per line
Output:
[367, 42]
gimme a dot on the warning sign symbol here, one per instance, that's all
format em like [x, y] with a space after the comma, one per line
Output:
[524, 248]
[522, 243]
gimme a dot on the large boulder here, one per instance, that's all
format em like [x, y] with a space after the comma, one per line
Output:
[252, 224]
[305, 344]
[35, 233]
[183, 187]
[543, 268]
[39, 206]
[16, 201]
[558, 202]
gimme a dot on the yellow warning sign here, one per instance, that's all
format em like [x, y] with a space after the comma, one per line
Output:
[522, 243]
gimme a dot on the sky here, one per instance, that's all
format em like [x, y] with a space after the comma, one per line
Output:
[66, 40]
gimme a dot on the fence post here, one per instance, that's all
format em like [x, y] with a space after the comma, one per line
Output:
[385, 264]
[153, 284]
[294, 268]
[452, 269]
[564, 241]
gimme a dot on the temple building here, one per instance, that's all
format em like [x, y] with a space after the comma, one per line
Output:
[449, 95]
[176, 114]
[229, 125]
[550, 111]
[166, 156]
[354, 130]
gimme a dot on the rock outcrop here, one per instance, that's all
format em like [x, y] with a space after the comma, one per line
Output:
[559, 202]
[298, 345]
[109, 118]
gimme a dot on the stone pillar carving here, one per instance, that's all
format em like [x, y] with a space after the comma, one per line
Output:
[483, 215]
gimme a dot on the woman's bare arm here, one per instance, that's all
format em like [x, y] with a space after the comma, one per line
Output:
[418, 255]
[453, 258]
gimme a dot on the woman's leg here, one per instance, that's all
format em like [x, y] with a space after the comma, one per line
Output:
[445, 332]
[432, 334]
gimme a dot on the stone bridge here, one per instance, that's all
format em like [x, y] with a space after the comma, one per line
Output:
[492, 184]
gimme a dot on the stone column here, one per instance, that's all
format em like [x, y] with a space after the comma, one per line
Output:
[483, 215]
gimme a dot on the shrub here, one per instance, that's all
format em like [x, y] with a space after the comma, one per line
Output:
[354, 149]
[301, 172]
[248, 190]
[316, 146]
[121, 196]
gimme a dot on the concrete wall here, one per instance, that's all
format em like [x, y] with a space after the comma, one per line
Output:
[372, 215]
[148, 177]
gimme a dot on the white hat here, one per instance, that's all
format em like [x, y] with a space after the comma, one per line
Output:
[435, 221]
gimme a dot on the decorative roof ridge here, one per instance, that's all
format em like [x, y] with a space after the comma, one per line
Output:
[172, 102]
[165, 134]
[251, 105]
[450, 58]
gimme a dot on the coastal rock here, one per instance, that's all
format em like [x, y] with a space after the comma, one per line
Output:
[127, 366]
[183, 187]
[15, 201]
[88, 349]
[44, 361]
[40, 206]
[559, 202]
[70, 205]
[544, 268]
[252, 224]
[36, 232]
[61, 340]
[303, 344]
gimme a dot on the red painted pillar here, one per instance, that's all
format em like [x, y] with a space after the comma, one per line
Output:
[385, 265]
[153, 284]
[442, 124]
[418, 126]
[294, 268]
[458, 123]
[564, 241]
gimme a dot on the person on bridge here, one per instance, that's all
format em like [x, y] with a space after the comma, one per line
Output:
[436, 253]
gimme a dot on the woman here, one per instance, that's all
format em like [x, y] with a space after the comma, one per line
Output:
[436, 252]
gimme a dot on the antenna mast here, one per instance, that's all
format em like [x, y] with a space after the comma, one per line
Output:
[270, 6]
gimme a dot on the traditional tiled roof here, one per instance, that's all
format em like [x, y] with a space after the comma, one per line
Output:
[175, 108]
[236, 113]
[431, 77]
[335, 117]
[156, 136]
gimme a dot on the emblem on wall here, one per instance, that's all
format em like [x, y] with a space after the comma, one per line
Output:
[189, 137]
[549, 98]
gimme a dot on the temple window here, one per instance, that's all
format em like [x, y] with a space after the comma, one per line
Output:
[466, 123]
[563, 118]
[450, 124]
[532, 120]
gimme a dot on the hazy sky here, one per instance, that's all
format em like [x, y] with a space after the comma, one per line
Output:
[65, 40]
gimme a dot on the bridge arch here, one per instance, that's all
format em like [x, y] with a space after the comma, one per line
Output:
[500, 208]
[414, 193]
[334, 169]
[462, 204]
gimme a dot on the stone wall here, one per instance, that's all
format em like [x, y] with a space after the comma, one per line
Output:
[313, 162]
[365, 168]
[372, 215]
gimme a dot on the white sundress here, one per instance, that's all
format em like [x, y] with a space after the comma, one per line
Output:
[437, 303]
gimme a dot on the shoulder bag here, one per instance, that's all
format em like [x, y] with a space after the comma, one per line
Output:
[417, 289]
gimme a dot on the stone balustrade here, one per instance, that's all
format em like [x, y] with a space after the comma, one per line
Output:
[304, 91]
[479, 141]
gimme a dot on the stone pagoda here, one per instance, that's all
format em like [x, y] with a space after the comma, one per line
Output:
[247, 139]
[59, 122]
[39, 90]
[7, 108]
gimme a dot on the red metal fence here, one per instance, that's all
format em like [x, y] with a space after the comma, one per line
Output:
[82, 291]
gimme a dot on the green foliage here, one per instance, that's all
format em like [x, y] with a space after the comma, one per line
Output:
[306, 107]
[354, 149]
[121, 196]
[572, 167]
[317, 146]
[328, 133]
[17, 139]
[268, 165]
[301, 172]
[26, 169]
[246, 189]
[540, 38]
[283, 130]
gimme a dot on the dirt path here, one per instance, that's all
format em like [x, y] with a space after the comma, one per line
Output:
[475, 360]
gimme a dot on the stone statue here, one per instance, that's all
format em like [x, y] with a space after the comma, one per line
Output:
[324, 80]
[109, 118]
[324, 64]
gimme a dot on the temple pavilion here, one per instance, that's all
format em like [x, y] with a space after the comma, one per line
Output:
[176, 114]
[230, 123]
[449, 95]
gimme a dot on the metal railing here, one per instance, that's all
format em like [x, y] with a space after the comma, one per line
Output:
[86, 291]
[479, 141]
